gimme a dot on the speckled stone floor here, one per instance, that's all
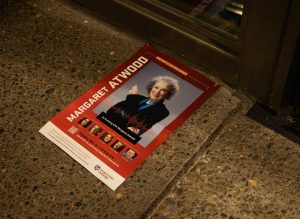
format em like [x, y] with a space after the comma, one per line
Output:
[219, 164]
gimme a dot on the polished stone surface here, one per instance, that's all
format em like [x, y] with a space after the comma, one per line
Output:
[50, 54]
[249, 171]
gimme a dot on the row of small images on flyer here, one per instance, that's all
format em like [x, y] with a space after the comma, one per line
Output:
[106, 137]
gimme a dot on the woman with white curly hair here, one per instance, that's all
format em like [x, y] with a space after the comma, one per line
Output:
[139, 113]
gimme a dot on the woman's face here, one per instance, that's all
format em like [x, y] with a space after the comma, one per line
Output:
[85, 121]
[159, 91]
[107, 138]
[94, 128]
[117, 145]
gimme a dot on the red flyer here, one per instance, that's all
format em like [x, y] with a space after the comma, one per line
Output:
[113, 127]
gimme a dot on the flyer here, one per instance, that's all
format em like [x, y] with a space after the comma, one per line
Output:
[113, 127]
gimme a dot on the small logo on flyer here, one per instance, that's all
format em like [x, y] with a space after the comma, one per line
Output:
[97, 167]
[102, 172]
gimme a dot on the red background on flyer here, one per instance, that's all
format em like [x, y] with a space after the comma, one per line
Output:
[126, 167]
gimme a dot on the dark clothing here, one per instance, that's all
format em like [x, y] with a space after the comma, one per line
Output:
[135, 112]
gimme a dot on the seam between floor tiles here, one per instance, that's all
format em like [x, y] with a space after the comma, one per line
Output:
[190, 162]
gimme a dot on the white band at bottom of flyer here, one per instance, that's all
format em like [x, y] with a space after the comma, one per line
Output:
[97, 167]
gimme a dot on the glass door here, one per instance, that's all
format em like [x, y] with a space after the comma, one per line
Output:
[223, 16]
[204, 32]
[244, 42]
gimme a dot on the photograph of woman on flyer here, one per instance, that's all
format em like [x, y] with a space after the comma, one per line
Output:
[139, 113]
[146, 104]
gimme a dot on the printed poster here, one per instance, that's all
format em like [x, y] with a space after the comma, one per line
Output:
[113, 127]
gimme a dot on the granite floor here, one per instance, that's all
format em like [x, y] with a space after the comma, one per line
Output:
[219, 164]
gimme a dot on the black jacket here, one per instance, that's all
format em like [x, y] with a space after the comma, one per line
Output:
[134, 112]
